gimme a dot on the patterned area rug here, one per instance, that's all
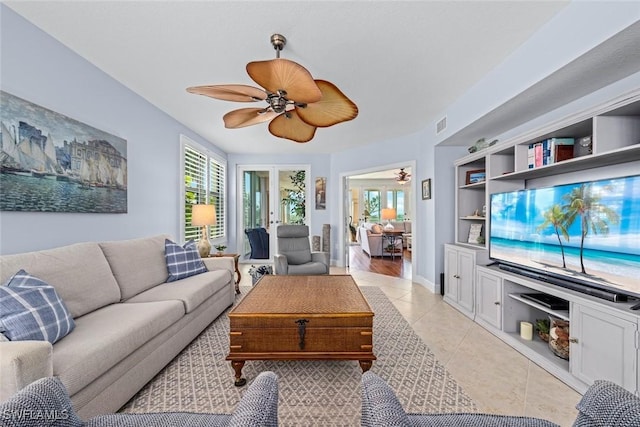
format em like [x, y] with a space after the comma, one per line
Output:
[312, 393]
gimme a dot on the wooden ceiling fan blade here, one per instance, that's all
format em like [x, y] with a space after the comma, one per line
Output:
[289, 126]
[333, 108]
[239, 93]
[282, 74]
[244, 117]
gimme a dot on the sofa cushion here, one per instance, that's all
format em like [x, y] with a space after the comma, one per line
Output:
[376, 229]
[182, 261]
[73, 271]
[30, 309]
[137, 264]
[192, 291]
[296, 249]
[104, 337]
[307, 269]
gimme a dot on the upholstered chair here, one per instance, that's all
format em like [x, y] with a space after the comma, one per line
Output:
[259, 242]
[294, 255]
[604, 404]
[46, 402]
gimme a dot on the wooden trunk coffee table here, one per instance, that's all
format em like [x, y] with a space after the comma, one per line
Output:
[301, 318]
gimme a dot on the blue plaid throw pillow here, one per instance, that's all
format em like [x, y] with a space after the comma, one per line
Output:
[30, 309]
[182, 261]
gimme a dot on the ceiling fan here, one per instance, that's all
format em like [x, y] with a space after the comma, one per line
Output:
[403, 177]
[296, 103]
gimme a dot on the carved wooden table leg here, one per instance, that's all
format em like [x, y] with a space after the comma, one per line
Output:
[365, 365]
[237, 367]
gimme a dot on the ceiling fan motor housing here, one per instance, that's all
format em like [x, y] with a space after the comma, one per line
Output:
[278, 41]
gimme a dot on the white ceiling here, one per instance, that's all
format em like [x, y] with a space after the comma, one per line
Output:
[402, 63]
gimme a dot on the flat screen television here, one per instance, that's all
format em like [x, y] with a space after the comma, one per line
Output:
[584, 236]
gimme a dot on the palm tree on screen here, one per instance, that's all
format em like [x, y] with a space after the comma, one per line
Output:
[583, 202]
[556, 218]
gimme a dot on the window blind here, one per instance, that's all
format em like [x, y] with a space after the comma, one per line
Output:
[205, 183]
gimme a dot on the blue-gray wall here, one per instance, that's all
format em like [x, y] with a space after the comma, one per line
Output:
[39, 69]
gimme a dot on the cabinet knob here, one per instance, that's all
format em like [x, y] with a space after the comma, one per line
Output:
[573, 340]
[455, 276]
[497, 303]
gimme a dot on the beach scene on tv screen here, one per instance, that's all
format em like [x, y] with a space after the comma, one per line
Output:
[587, 231]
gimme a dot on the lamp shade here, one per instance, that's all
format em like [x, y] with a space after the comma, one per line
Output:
[388, 214]
[203, 215]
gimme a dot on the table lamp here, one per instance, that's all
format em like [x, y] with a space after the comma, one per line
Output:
[203, 215]
[388, 214]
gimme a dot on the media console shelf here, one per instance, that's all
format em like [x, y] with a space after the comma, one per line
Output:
[561, 314]
[605, 336]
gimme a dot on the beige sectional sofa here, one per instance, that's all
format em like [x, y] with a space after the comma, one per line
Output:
[129, 322]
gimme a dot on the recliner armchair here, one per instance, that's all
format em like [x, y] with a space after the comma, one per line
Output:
[46, 402]
[294, 255]
[604, 404]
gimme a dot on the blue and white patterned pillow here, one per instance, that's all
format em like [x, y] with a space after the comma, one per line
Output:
[30, 309]
[182, 261]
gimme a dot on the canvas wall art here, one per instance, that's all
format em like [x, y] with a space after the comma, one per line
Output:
[321, 193]
[52, 163]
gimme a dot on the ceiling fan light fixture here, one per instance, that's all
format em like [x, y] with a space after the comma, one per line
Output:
[297, 104]
[403, 177]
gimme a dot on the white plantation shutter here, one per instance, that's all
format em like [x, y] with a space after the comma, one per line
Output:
[204, 183]
[217, 186]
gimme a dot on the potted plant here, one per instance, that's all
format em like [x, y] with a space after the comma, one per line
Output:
[220, 248]
[542, 325]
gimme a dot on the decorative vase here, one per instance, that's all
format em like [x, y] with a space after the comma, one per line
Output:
[559, 337]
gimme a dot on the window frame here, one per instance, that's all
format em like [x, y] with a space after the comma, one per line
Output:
[392, 202]
[217, 234]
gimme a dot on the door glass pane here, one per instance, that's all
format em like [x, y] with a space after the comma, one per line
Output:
[292, 189]
[372, 205]
[255, 205]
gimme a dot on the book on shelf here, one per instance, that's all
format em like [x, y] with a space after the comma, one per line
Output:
[549, 151]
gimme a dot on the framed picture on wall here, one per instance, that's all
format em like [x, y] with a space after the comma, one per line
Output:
[426, 189]
[54, 163]
[321, 193]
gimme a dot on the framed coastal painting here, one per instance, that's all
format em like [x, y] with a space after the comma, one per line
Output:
[52, 163]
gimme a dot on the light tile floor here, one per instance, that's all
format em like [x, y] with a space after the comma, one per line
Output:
[498, 378]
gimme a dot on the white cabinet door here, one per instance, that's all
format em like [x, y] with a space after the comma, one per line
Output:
[603, 347]
[451, 274]
[466, 271]
[489, 298]
[459, 271]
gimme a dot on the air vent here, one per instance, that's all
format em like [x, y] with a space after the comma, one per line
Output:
[441, 125]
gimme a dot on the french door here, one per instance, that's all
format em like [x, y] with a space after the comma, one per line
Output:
[269, 195]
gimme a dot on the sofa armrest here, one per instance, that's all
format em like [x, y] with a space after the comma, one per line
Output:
[23, 362]
[322, 257]
[280, 264]
[607, 404]
[259, 404]
[380, 406]
[220, 263]
[43, 402]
